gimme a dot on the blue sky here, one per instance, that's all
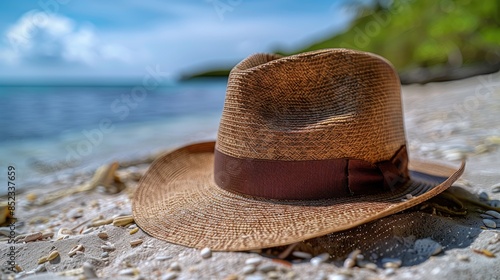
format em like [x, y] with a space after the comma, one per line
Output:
[71, 39]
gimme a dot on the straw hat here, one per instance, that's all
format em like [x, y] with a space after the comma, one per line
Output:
[308, 145]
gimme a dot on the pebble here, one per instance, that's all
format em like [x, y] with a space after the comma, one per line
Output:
[136, 242]
[321, 258]
[267, 267]
[248, 269]
[494, 203]
[163, 258]
[89, 271]
[336, 277]
[273, 275]
[40, 268]
[103, 235]
[493, 213]
[231, 277]
[427, 247]
[489, 223]
[302, 255]
[253, 261]
[169, 276]
[105, 255]
[175, 266]
[108, 247]
[391, 262]
[255, 277]
[484, 196]
[495, 188]
[389, 271]
[129, 271]
[206, 253]
[371, 266]
[462, 257]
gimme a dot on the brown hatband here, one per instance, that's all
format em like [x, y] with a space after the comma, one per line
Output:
[309, 179]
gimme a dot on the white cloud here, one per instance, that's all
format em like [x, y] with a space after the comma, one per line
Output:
[38, 37]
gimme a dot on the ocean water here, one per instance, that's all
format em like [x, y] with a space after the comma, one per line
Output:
[51, 131]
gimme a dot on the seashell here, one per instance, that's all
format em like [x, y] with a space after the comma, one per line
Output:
[136, 242]
[101, 222]
[75, 249]
[63, 233]
[123, 220]
[42, 260]
[30, 237]
[54, 254]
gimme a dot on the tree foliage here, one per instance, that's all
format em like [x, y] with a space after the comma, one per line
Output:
[424, 33]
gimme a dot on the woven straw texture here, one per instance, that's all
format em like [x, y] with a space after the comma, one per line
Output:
[178, 201]
[319, 105]
[327, 104]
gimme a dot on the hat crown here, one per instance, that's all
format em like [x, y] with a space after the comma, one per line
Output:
[327, 104]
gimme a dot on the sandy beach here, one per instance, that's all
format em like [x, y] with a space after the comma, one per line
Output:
[81, 227]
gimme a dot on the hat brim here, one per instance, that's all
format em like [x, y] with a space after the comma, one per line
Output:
[178, 201]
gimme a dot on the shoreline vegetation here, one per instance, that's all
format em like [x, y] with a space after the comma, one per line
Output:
[427, 41]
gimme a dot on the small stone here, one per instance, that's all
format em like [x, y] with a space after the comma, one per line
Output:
[231, 277]
[409, 196]
[175, 266]
[255, 277]
[253, 261]
[349, 263]
[163, 258]
[371, 266]
[462, 257]
[89, 271]
[248, 269]
[103, 235]
[493, 213]
[136, 242]
[321, 258]
[484, 196]
[169, 276]
[40, 268]
[391, 263]
[494, 203]
[336, 277]
[206, 253]
[389, 271]
[105, 255]
[267, 267]
[128, 271]
[427, 247]
[495, 188]
[273, 275]
[489, 223]
[302, 255]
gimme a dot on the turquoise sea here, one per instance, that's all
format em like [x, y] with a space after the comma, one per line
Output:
[48, 132]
